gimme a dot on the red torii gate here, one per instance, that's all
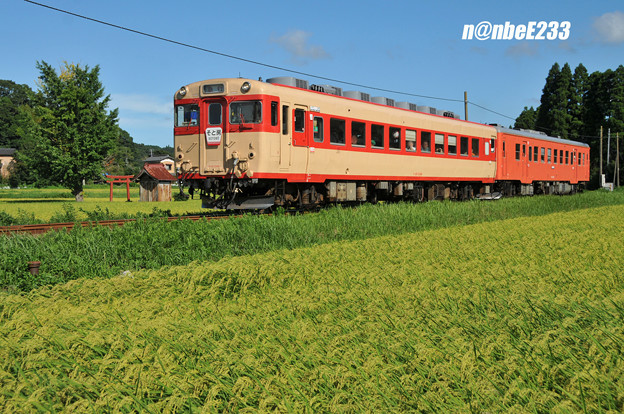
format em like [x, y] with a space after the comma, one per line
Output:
[119, 179]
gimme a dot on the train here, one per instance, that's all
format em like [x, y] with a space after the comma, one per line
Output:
[254, 144]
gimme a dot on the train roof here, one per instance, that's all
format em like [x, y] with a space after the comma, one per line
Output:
[540, 136]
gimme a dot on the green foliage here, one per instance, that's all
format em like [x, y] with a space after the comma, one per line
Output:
[576, 106]
[15, 122]
[67, 215]
[526, 119]
[152, 242]
[75, 132]
[435, 321]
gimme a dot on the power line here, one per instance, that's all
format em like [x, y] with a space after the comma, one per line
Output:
[202, 49]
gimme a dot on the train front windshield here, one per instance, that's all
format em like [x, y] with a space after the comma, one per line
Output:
[246, 112]
[187, 115]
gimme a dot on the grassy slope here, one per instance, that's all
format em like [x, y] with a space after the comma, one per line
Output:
[516, 315]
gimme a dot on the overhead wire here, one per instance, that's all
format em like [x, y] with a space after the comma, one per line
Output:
[255, 62]
[267, 65]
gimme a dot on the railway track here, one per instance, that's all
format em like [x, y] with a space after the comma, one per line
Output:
[44, 228]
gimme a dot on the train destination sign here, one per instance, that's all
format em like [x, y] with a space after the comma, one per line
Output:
[213, 136]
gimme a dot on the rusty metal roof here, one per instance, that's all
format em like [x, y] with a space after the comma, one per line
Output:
[156, 171]
[7, 151]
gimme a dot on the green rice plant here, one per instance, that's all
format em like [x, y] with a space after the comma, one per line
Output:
[150, 243]
[517, 315]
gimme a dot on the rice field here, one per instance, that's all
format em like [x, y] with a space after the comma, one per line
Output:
[516, 315]
[52, 204]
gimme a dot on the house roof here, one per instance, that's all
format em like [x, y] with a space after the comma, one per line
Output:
[158, 158]
[7, 151]
[156, 171]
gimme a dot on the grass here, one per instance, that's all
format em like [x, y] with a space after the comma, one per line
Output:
[152, 243]
[28, 206]
[516, 315]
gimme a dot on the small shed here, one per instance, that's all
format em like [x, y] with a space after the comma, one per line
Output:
[165, 160]
[155, 183]
[6, 158]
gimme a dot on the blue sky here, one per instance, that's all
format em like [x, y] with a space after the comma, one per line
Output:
[411, 46]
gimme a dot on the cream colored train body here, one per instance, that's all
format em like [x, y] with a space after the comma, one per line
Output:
[252, 144]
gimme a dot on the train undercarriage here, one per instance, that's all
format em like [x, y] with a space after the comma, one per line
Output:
[253, 194]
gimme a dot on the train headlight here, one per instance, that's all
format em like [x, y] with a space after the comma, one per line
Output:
[183, 91]
[246, 87]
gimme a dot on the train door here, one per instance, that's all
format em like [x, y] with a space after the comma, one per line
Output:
[525, 162]
[575, 168]
[285, 137]
[299, 132]
[503, 159]
[214, 140]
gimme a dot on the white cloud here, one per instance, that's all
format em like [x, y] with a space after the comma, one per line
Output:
[141, 104]
[522, 49]
[610, 27]
[295, 42]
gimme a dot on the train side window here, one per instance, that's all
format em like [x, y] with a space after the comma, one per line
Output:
[579, 159]
[573, 155]
[549, 155]
[214, 114]
[299, 120]
[517, 152]
[358, 133]
[410, 140]
[566, 157]
[452, 145]
[394, 138]
[523, 150]
[555, 156]
[463, 146]
[337, 131]
[274, 112]
[543, 151]
[285, 119]
[561, 157]
[535, 150]
[319, 133]
[530, 153]
[377, 136]
[425, 142]
[492, 141]
[439, 143]
[475, 147]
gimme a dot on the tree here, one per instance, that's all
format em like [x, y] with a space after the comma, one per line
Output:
[75, 132]
[526, 119]
[553, 116]
[15, 102]
[576, 108]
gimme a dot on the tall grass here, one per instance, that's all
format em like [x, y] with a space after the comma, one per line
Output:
[520, 315]
[152, 243]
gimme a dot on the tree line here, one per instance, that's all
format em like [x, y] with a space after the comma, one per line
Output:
[575, 105]
[64, 132]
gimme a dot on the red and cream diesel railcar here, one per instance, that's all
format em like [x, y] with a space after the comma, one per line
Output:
[253, 144]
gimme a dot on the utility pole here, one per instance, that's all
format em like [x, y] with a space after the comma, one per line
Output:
[617, 159]
[608, 144]
[600, 178]
[465, 105]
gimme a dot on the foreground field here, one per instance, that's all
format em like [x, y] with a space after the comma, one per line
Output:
[517, 315]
